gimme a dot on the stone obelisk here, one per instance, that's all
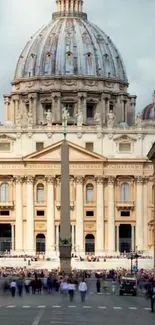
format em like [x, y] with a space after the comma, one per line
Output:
[65, 245]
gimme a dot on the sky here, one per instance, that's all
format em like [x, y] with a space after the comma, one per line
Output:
[129, 23]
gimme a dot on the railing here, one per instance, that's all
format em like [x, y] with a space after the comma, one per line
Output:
[125, 204]
[6, 204]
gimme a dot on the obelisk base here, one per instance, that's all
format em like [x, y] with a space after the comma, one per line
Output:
[65, 259]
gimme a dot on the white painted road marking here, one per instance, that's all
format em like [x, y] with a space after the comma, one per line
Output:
[41, 307]
[87, 307]
[71, 306]
[102, 307]
[147, 308]
[38, 318]
[133, 308]
[10, 306]
[26, 307]
[56, 306]
[117, 308]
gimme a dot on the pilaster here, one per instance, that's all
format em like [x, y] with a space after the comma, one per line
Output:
[50, 240]
[139, 214]
[30, 216]
[79, 216]
[100, 217]
[19, 216]
[111, 214]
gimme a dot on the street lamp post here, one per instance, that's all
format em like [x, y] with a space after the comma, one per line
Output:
[151, 156]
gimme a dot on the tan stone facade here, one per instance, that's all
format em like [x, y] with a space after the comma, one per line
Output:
[104, 194]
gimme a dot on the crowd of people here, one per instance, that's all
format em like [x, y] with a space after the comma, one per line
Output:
[20, 280]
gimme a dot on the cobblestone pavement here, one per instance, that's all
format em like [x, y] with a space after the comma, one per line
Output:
[55, 309]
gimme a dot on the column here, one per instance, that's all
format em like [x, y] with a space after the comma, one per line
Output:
[67, 5]
[16, 106]
[58, 108]
[111, 215]
[57, 238]
[103, 108]
[145, 213]
[33, 107]
[139, 215]
[71, 192]
[79, 216]
[13, 238]
[100, 217]
[50, 240]
[133, 237]
[73, 239]
[19, 215]
[118, 226]
[6, 109]
[58, 198]
[30, 216]
[72, 5]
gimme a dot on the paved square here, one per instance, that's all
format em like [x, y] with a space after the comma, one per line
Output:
[56, 309]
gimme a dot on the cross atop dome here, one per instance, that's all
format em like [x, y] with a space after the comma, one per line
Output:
[69, 6]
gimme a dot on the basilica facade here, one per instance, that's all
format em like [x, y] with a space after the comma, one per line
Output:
[72, 66]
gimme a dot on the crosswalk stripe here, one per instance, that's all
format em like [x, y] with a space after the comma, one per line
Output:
[26, 307]
[41, 306]
[133, 308]
[71, 306]
[56, 306]
[10, 306]
[102, 307]
[147, 308]
[87, 307]
[117, 308]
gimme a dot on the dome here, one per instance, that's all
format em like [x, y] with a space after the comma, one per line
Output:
[148, 112]
[70, 45]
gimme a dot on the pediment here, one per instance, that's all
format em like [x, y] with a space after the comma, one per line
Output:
[125, 138]
[5, 137]
[76, 153]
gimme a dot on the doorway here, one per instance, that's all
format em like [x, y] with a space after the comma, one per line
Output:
[90, 244]
[5, 238]
[40, 243]
[125, 240]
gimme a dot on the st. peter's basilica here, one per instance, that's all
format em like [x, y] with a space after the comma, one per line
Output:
[71, 66]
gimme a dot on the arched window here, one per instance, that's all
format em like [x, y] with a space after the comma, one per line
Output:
[125, 192]
[89, 193]
[40, 193]
[4, 192]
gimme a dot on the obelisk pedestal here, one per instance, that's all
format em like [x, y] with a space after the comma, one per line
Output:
[65, 232]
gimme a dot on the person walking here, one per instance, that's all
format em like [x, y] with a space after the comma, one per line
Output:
[152, 296]
[13, 287]
[71, 290]
[98, 286]
[83, 290]
[20, 287]
[27, 286]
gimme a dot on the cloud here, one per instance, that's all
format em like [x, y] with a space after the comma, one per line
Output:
[130, 24]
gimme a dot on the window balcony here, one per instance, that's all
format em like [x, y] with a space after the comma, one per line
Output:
[6, 204]
[40, 203]
[125, 205]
